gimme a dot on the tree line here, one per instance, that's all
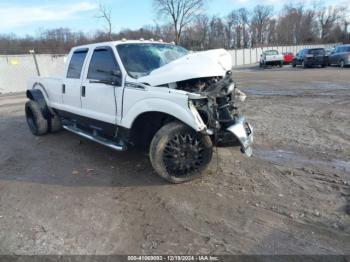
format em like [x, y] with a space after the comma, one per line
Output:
[185, 22]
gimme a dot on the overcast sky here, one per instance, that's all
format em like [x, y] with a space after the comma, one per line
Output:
[28, 16]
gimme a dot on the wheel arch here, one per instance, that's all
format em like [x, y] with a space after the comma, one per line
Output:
[147, 124]
[37, 96]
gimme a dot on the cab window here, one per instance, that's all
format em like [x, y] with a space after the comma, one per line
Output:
[102, 65]
[76, 64]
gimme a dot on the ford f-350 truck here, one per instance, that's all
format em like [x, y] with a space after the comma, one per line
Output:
[145, 93]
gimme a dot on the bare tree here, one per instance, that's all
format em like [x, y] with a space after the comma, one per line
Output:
[233, 29]
[195, 37]
[105, 14]
[327, 18]
[243, 15]
[260, 21]
[181, 12]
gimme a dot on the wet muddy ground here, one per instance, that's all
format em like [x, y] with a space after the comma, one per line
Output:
[64, 195]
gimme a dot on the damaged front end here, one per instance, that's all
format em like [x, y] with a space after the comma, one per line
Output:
[214, 98]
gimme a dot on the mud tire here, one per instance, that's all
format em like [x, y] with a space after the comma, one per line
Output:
[165, 155]
[38, 125]
[56, 123]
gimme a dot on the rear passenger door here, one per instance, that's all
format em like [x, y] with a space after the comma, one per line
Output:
[102, 78]
[71, 88]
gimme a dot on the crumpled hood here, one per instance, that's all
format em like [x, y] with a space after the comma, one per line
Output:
[195, 65]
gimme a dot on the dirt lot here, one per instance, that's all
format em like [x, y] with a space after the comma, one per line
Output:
[64, 195]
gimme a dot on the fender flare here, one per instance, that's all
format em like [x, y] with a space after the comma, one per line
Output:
[37, 96]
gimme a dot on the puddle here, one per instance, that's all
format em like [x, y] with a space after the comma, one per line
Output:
[295, 160]
[258, 91]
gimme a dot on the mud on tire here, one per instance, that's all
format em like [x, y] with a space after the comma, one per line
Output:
[55, 123]
[179, 154]
[38, 125]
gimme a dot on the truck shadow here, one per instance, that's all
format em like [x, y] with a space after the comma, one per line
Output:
[66, 159]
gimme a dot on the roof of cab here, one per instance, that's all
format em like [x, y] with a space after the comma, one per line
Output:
[115, 43]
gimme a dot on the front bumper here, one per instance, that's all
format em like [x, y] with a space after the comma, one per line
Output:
[243, 131]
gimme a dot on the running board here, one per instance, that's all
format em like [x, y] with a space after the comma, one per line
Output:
[94, 137]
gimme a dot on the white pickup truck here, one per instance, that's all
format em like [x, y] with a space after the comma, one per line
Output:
[145, 93]
[271, 57]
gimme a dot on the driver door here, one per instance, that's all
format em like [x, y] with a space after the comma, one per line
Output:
[98, 92]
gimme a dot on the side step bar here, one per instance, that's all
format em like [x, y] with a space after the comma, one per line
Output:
[94, 137]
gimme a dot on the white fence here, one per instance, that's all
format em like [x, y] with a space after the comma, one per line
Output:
[16, 69]
[252, 55]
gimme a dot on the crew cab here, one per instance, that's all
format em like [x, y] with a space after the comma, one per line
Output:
[272, 58]
[144, 93]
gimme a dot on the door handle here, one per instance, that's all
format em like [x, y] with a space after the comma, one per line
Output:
[63, 89]
[83, 91]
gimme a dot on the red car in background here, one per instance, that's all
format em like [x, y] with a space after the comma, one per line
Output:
[288, 58]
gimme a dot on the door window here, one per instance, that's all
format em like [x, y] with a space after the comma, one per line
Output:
[103, 65]
[76, 64]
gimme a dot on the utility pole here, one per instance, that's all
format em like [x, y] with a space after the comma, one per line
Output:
[35, 61]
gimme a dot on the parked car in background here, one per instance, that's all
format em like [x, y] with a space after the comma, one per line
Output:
[288, 58]
[271, 57]
[340, 56]
[329, 51]
[310, 57]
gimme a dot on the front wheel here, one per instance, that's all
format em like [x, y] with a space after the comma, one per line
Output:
[179, 154]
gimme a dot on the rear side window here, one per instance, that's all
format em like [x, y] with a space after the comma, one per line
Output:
[102, 65]
[76, 64]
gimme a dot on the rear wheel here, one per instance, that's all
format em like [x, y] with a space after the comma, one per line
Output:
[38, 125]
[56, 123]
[179, 154]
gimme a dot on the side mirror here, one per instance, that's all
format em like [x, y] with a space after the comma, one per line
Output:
[116, 73]
[117, 77]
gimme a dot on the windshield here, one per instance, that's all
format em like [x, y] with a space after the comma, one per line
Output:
[319, 51]
[271, 52]
[141, 59]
